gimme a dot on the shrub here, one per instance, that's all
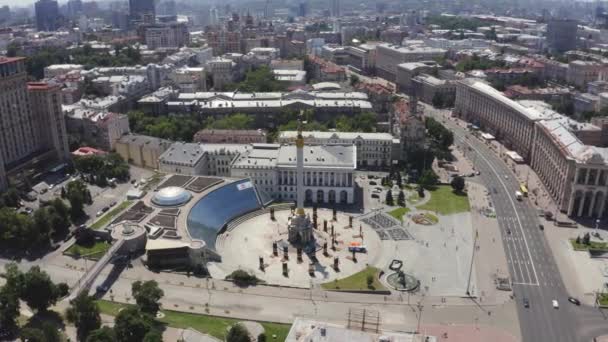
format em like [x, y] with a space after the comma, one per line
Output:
[243, 278]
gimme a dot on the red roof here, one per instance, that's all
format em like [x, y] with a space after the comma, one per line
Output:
[5, 60]
[87, 151]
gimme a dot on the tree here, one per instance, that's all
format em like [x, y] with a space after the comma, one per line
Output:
[401, 198]
[586, 239]
[153, 336]
[78, 195]
[131, 325]
[578, 240]
[50, 332]
[262, 337]
[234, 121]
[399, 179]
[428, 179]
[32, 335]
[38, 291]
[9, 308]
[369, 280]
[238, 333]
[458, 184]
[354, 80]
[243, 278]
[103, 334]
[84, 314]
[10, 197]
[389, 198]
[147, 295]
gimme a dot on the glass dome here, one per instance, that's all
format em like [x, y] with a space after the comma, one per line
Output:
[171, 196]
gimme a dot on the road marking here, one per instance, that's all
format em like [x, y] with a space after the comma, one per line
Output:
[510, 200]
[526, 284]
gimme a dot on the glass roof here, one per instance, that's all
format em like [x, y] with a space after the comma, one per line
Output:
[213, 211]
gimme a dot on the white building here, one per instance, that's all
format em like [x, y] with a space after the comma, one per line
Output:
[373, 149]
[189, 80]
[328, 171]
[200, 159]
[389, 56]
[167, 36]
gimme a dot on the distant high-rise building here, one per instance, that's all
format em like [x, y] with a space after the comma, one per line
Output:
[561, 35]
[32, 121]
[74, 8]
[47, 15]
[167, 36]
[302, 9]
[5, 13]
[335, 8]
[142, 10]
[214, 16]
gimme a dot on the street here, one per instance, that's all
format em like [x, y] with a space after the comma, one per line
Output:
[532, 268]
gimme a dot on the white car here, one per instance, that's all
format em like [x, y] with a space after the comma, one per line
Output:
[555, 304]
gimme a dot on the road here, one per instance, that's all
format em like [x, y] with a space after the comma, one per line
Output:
[532, 268]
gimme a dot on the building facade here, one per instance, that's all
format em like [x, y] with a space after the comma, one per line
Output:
[141, 150]
[328, 171]
[230, 136]
[373, 149]
[47, 15]
[170, 36]
[389, 56]
[45, 99]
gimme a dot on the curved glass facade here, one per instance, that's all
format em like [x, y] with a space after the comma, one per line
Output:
[171, 196]
[217, 208]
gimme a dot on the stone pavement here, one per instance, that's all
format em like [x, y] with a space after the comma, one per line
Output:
[467, 333]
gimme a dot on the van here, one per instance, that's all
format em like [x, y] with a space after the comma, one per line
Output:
[155, 232]
[518, 195]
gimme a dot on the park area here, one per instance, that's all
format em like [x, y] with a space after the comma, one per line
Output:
[366, 280]
[211, 325]
[94, 250]
[107, 218]
[445, 201]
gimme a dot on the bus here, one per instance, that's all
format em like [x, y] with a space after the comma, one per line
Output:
[523, 190]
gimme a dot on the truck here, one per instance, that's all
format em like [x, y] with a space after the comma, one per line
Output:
[518, 195]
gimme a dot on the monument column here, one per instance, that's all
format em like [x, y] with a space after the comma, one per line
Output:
[300, 171]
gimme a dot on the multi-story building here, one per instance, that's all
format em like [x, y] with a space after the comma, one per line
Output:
[582, 72]
[31, 124]
[224, 41]
[428, 87]
[100, 129]
[200, 159]
[373, 149]
[221, 72]
[47, 15]
[45, 101]
[328, 171]
[142, 11]
[407, 71]
[389, 56]
[325, 71]
[561, 35]
[560, 150]
[165, 36]
[230, 136]
[141, 150]
[189, 80]
[266, 106]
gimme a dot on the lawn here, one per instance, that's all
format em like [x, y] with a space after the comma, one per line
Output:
[591, 245]
[399, 212]
[357, 281]
[105, 219]
[444, 201]
[602, 299]
[212, 325]
[153, 181]
[95, 251]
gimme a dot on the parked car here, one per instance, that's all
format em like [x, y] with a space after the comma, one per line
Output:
[555, 304]
[375, 196]
[526, 303]
[541, 227]
[99, 213]
[28, 210]
[574, 301]
[373, 183]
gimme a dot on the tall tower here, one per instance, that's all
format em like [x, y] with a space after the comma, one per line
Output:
[47, 14]
[299, 225]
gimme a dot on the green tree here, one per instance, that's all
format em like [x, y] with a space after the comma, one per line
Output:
[147, 295]
[428, 179]
[11, 198]
[78, 195]
[354, 80]
[84, 314]
[131, 325]
[458, 184]
[38, 291]
[234, 121]
[260, 80]
[50, 332]
[586, 239]
[401, 198]
[153, 336]
[103, 334]
[389, 198]
[9, 308]
[238, 333]
[369, 280]
[32, 335]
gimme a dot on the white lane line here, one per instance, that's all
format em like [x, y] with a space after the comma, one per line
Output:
[510, 200]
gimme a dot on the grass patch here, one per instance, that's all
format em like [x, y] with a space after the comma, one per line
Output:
[212, 325]
[591, 245]
[445, 201]
[602, 299]
[105, 219]
[94, 251]
[413, 197]
[357, 281]
[153, 181]
[399, 212]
